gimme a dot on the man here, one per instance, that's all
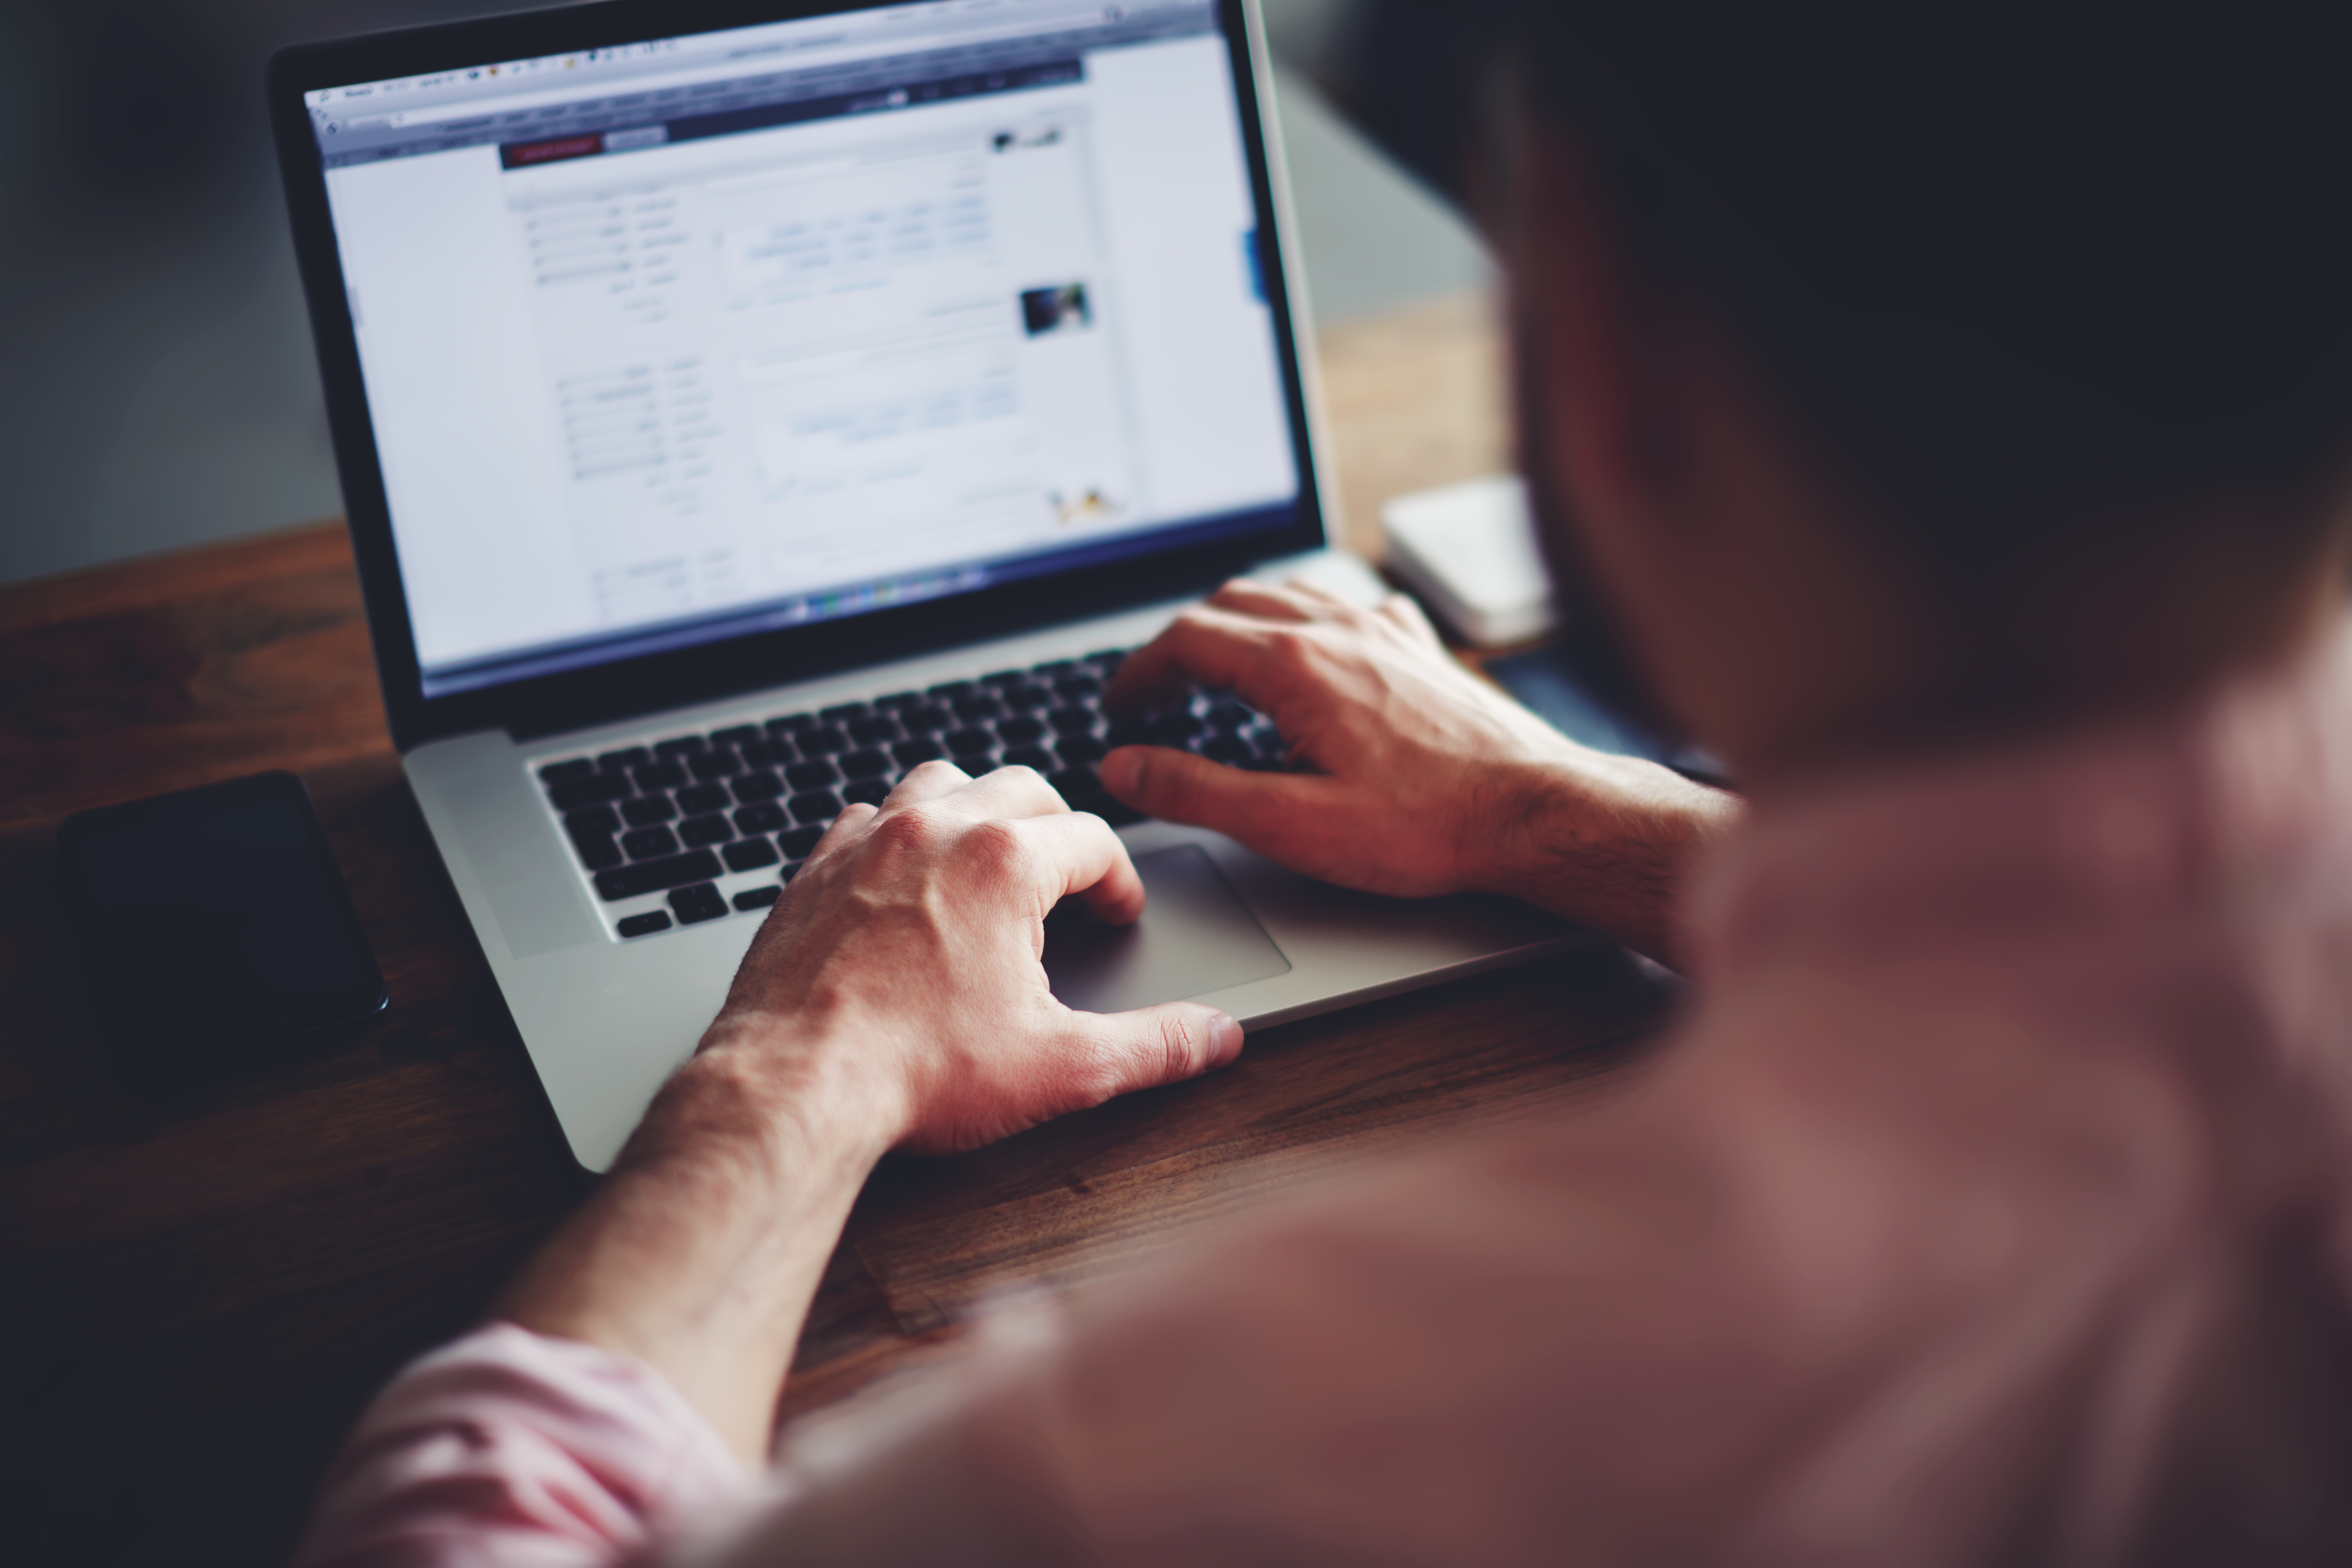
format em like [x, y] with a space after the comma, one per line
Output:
[1945, 416]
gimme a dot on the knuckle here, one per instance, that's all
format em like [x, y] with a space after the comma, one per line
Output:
[1025, 776]
[1179, 1052]
[996, 847]
[913, 831]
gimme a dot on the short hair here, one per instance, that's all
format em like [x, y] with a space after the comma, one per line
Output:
[2037, 272]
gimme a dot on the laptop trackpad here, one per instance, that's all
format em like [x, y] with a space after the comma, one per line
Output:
[1195, 936]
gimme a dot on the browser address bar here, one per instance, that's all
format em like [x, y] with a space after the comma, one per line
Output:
[748, 64]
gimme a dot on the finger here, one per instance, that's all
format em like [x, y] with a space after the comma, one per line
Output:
[844, 827]
[1078, 854]
[1008, 792]
[1203, 647]
[1177, 786]
[1247, 597]
[1406, 612]
[926, 781]
[1151, 1046]
[1315, 593]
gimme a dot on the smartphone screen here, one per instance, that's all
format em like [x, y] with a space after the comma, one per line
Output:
[219, 921]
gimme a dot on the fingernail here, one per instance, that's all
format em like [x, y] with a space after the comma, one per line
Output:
[1224, 1040]
[1121, 772]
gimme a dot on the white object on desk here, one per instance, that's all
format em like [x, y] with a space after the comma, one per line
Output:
[1469, 551]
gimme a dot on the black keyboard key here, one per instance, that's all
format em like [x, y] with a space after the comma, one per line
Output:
[678, 745]
[817, 806]
[823, 741]
[1036, 757]
[843, 713]
[1128, 730]
[767, 754]
[699, 832]
[873, 792]
[1029, 698]
[1075, 784]
[1229, 718]
[658, 777]
[734, 734]
[1115, 814]
[649, 843]
[867, 764]
[922, 749]
[653, 876]
[1071, 721]
[1078, 689]
[978, 707]
[969, 743]
[790, 724]
[1231, 750]
[792, 868]
[766, 817]
[814, 775]
[598, 852]
[758, 787]
[1107, 660]
[1081, 749]
[645, 924]
[1020, 732]
[592, 820]
[625, 759]
[797, 844]
[874, 732]
[558, 773]
[949, 688]
[714, 764]
[1178, 729]
[897, 700]
[699, 799]
[698, 903]
[749, 855]
[1004, 677]
[759, 898]
[1053, 666]
[596, 789]
[928, 720]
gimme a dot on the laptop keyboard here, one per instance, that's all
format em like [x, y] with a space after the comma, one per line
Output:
[678, 815]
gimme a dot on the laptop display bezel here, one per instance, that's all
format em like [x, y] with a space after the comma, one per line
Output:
[645, 683]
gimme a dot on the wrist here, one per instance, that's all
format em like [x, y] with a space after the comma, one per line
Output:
[1606, 841]
[776, 1094]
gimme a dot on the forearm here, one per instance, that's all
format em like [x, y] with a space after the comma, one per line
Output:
[700, 1253]
[1607, 842]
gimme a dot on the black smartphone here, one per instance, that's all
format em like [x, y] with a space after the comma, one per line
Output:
[222, 927]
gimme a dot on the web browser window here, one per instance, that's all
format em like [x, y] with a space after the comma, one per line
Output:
[709, 335]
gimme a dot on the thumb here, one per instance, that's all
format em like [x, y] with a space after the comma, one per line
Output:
[1153, 1045]
[1177, 786]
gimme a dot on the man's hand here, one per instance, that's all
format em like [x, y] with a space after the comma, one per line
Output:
[905, 956]
[894, 999]
[1423, 778]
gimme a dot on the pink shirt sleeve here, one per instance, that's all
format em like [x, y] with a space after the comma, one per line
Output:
[507, 1450]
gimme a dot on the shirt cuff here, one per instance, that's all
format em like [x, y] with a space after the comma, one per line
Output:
[509, 1449]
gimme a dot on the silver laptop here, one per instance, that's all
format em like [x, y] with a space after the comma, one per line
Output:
[738, 406]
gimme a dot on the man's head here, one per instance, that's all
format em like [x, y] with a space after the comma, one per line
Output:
[1996, 360]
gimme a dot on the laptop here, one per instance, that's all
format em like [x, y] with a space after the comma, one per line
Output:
[738, 405]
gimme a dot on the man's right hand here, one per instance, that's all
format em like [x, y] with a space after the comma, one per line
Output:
[1423, 778]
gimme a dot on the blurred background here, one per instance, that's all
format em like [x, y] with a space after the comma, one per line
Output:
[156, 382]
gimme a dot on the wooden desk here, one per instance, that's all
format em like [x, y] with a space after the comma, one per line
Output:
[199, 1287]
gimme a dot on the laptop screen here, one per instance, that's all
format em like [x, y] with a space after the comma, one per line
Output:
[703, 336]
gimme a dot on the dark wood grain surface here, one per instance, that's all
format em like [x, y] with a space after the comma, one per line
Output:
[200, 1286]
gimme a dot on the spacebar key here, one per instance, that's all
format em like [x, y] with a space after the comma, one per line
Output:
[653, 876]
